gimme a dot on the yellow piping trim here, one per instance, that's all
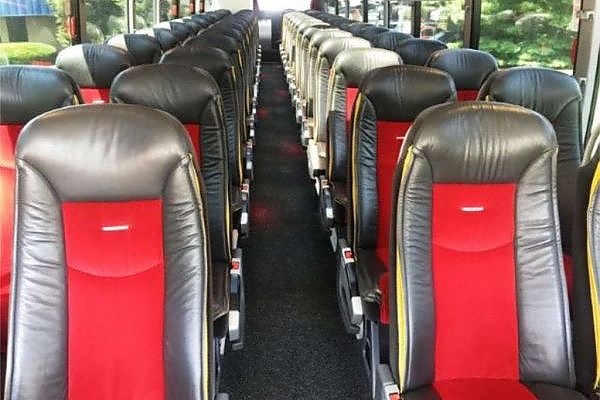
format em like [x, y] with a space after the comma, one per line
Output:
[592, 277]
[400, 296]
[353, 144]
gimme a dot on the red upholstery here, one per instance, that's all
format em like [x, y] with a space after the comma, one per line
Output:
[194, 130]
[479, 389]
[114, 254]
[568, 264]
[474, 282]
[390, 136]
[351, 95]
[95, 95]
[8, 140]
[466, 95]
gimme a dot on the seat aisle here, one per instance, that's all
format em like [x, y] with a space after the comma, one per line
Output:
[296, 347]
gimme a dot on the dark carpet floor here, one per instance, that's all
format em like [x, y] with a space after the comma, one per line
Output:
[296, 346]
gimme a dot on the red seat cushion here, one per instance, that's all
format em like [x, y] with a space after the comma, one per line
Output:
[479, 389]
[8, 140]
[95, 95]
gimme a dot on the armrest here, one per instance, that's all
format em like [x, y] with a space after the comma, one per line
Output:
[369, 270]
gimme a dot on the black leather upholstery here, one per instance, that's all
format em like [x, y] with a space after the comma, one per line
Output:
[143, 49]
[557, 97]
[20, 99]
[93, 65]
[418, 51]
[395, 94]
[389, 40]
[477, 142]
[96, 153]
[469, 68]
[217, 62]
[192, 96]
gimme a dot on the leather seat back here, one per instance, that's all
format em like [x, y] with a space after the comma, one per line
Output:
[468, 67]
[348, 71]
[313, 52]
[20, 101]
[93, 67]
[218, 63]
[164, 36]
[389, 40]
[328, 52]
[557, 97]
[474, 233]
[111, 285]
[192, 96]
[586, 242]
[417, 51]
[143, 49]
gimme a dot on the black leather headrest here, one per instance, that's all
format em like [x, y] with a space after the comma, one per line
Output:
[166, 38]
[143, 49]
[356, 27]
[28, 91]
[93, 65]
[402, 92]
[332, 47]
[181, 90]
[544, 90]
[142, 139]
[417, 51]
[354, 64]
[209, 38]
[469, 68]
[389, 40]
[211, 59]
[320, 36]
[370, 32]
[181, 30]
[498, 141]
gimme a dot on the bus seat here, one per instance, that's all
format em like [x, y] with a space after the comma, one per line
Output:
[349, 69]
[468, 67]
[586, 269]
[317, 144]
[192, 96]
[218, 63]
[93, 67]
[417, 51]
[478, 298]
[20, 101]
[389, 40]
[110, 296]
[143, 49]
[557, 97]
[389, 101]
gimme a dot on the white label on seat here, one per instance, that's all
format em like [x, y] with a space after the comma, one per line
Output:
[115, 228]
[473, 209]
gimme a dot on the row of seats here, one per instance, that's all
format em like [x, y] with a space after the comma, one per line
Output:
[101, 172]
[467, 193]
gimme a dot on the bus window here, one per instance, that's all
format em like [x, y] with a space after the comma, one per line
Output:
[104, 18]
[165, 10]
[144, 13]
[538, 33]
[343, 8]
[278, 5]
[443, 21]
[401, 16]
[331, 6]
[184, 7]
[32, 32]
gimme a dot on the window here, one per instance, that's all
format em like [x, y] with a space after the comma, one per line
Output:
[144, 13]
[376, 12]
[401, 16]
[443, 21]
[32, 32]
[184, 7]
[529, 33]
[331, 6]
[343, 8]
[104, 19]
[165, 10]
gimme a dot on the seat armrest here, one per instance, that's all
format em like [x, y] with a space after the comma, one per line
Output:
[369, 270]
